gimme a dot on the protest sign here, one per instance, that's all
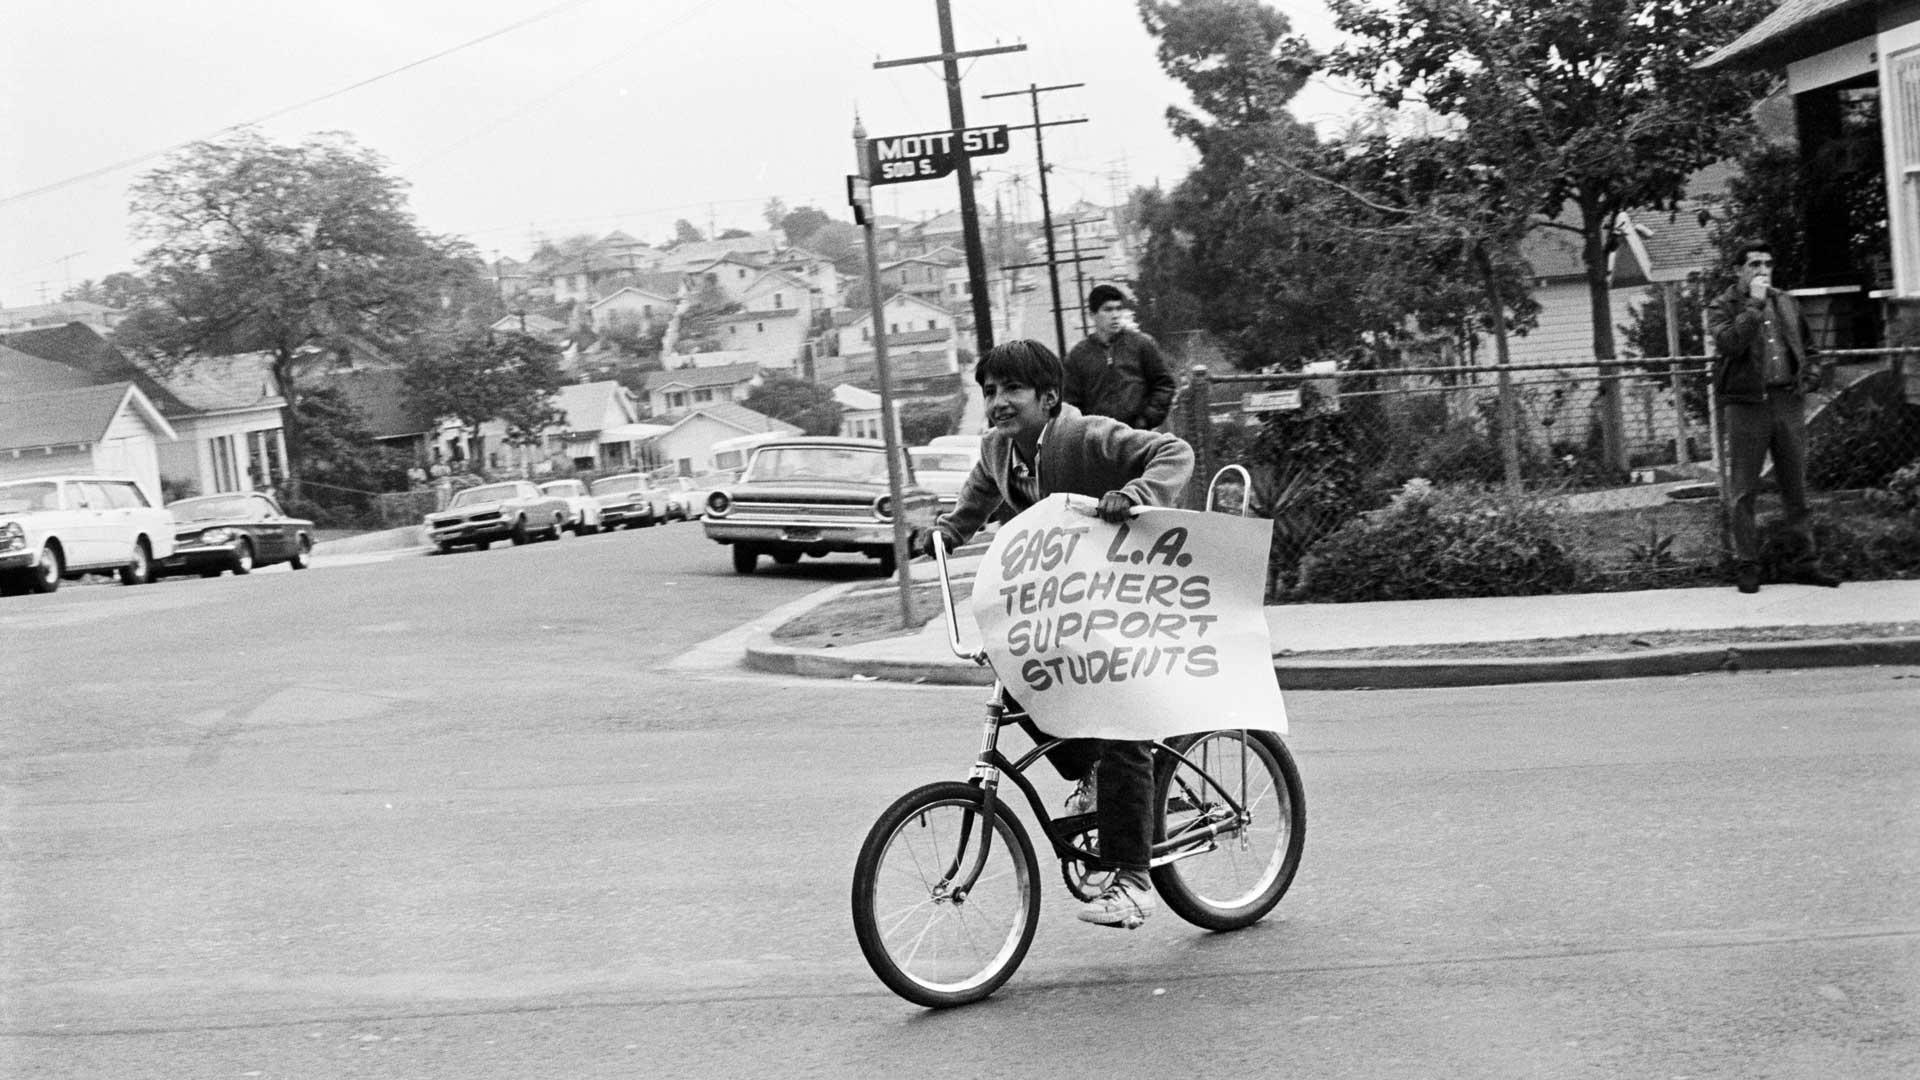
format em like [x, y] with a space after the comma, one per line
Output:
[1142, 630]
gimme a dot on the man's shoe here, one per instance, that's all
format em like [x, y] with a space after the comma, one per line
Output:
[1747, 580]
[1085, 798]
[1123, 904]
[1813, 575]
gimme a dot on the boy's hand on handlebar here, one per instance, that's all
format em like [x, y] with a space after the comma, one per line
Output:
[1114, 508]
[921, 542]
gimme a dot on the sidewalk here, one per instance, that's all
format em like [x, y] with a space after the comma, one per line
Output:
[1317, 629]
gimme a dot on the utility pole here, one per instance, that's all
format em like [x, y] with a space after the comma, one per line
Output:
[1046, 207]
[969, 216]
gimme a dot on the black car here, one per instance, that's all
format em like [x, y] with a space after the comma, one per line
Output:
[236, 531]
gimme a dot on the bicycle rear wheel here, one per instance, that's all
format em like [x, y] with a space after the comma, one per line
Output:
[1233, 878]
[929, 945]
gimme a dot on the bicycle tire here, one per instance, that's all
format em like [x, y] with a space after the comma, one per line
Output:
[1239, 877]
[928, 948]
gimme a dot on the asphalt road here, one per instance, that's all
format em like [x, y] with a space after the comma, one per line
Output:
[516, 814]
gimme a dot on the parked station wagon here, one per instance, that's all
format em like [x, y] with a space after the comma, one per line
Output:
[812, 495]
[60, 527]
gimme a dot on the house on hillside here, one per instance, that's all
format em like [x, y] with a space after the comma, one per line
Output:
[729, 273]
[816, 270]
[109, 429]
[859, 411]
[757, 248]
[687, 445]
[692, 388]
[98, 317]
[225, 414]
[601, 429]
[774, 338]
[922, 348]
[645, 306]
[917, 276]
[533, 324]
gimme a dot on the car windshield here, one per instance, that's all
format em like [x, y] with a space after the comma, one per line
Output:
[562, 487]
[848, 463]
[942, 461]
[214, 508]
[24, 498]
[615, 485]
[486, 494]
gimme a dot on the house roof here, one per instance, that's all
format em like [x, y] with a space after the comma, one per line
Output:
[750, 316]
[81, 414]
[1795, 30]
[223, 383]
[1672, 245]
[62, 311]
[698, 377]
[585, 404]
[732, 414]
[379, 396]
[535, 324]
[853, 397]
[637, 291]
[778, 276]
[81, 347]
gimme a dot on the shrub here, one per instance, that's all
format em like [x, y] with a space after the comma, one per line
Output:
[1443, 542]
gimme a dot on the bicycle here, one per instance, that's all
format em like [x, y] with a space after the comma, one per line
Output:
[946, 889]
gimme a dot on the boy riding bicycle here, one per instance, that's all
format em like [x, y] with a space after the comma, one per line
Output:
[1037, 446]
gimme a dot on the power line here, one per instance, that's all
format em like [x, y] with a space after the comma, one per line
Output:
[277, 113]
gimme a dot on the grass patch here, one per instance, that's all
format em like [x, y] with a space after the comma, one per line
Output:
[866, 614]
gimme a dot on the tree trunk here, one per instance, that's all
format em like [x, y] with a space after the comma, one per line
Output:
[1597, 225]
[290, 420]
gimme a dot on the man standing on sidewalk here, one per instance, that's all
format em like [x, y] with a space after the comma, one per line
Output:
[1762, 372]
[1117, 371]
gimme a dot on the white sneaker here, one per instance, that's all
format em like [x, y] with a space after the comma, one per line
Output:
[1085, 798]
[1122, 905]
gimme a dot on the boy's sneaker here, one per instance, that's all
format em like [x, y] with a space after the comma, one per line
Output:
[1085, 798]
[1123, 904]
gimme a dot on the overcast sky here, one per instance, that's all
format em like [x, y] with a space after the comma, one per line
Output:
[594, 115]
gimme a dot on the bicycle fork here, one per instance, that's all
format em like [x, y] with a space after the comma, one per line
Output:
[959, 881]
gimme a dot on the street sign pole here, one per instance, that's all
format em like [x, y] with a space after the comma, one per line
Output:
[862, 196]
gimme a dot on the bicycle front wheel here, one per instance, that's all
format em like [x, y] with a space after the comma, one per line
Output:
[931, 937]
[1227, 874]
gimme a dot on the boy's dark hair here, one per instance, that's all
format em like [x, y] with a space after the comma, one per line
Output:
[1101, 295]
[1027, 362]
[1740, 253]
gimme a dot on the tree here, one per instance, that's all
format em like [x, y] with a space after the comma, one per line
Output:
[1598, 98]
[512, 377]
[120, 290]
[775, 212]
[294, 251]
[788, 397]
[733, 234]
[802, 223]
[685, 233]
[921, 422]
[342, 460]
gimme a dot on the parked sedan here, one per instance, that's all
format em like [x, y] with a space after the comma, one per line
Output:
[811, 495]
[514, 510]
[626, 501]
[943, 470]
[235, 531]
[583, 510]
[59, 527]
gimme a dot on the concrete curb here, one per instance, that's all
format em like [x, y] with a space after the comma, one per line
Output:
[1306, 674]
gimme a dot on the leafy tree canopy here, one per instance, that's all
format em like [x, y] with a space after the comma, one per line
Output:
[802, 223]
[511, 377]
[788, 397]
[685, 233]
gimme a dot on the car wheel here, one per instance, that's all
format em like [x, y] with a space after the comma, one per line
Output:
[302, 553]
[441, 547]
[520, 533]
[559, 528]
[139, 568]
[483, 545]
[44, 575]
[211, 573]
[743, 559]
[786, 558]
[887, 563]
[242, 559]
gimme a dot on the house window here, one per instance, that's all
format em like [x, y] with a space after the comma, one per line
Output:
[778, 302]
[267, 458]
[702, 395]
[930, 325]
[677, 400]
[893, 328]
[733, 329]
[739, 273]
[759, 328]
[866, 334]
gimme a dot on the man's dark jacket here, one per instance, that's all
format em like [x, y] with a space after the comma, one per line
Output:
[1736, 321]
[1122, 377]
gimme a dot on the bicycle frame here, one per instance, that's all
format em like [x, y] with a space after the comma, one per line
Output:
[991, 765]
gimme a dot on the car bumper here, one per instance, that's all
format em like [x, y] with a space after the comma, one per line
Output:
[835, 536]
[18, 560]
[469, 532]
[612, 518]
[197, 557]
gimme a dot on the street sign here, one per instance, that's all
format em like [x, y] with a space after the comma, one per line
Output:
[860, 197]
[897, 159]
[1271, 401]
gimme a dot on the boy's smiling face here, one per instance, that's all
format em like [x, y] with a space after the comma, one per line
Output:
[1016, 408]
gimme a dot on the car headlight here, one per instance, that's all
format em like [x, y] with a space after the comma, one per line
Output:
[12, 536]
[883, 507]
[216, 536]
[718, 504]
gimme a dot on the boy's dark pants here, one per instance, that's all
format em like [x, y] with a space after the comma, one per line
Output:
[1124, 790]
[1777, 426]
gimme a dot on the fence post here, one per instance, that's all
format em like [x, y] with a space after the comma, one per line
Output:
[1200, 423]
[1670, 296]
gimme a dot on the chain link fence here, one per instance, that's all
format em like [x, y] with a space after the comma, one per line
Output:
[1540, 477]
